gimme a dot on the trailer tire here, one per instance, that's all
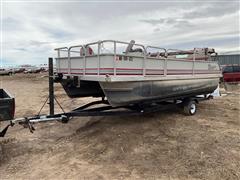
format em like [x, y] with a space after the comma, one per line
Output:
[190, 107]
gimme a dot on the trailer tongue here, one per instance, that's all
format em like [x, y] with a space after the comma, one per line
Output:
[84, 110]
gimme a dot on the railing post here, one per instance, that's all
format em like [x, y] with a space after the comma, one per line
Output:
[193, 66]
[144, 61]
[57, 60]
[165, 67]
[69, 61]
[58, 53]
[51, 86]
[143, 64]
[84, 60]
[114, 58]
[98, 58]
[165, 64]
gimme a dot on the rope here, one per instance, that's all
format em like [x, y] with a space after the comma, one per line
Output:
[42, 106]
[59, 104]
[46, 102]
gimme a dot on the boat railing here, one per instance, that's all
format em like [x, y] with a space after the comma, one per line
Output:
[100, 44]
[116, 48]
[59, 54]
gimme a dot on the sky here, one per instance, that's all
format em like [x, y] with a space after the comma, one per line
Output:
[30, 30]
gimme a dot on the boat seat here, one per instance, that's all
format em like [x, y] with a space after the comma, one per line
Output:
[89, 51]
[156, 55]
[136, 50]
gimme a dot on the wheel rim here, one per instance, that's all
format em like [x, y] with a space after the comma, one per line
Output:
[193, 108]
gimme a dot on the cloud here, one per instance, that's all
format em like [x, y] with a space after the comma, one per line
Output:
[10, 24]
[156, 30]
[32, 30]
[55, 32]
[153, 22]
[230, 42]
[213, 10]
[167, 22]
[20, 49]
[38, 43]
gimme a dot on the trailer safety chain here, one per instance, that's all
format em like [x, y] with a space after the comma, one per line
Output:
[28, 125]
[59, 104]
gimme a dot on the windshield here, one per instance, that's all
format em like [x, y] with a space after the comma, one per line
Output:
[228, 69]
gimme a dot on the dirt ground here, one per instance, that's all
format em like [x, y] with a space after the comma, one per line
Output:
[162, 145]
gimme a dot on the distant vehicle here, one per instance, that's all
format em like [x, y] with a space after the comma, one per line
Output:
[6, 71]
[231, 73]
[19, 70]
[32, 70]
[44, 67]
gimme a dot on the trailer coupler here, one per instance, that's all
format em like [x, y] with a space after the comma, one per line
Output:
[27, 122]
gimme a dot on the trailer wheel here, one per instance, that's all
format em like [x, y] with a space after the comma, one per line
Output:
[190, 108]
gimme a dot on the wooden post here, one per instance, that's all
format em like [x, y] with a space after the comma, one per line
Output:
[51, 87]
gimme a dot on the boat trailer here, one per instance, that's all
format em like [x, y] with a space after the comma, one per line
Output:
[101, 108]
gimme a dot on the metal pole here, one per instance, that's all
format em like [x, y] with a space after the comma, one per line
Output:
[194, 57]
[51, 87]
[114, 58]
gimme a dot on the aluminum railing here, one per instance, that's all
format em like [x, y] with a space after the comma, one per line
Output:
[98, 43]
[115, 44]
